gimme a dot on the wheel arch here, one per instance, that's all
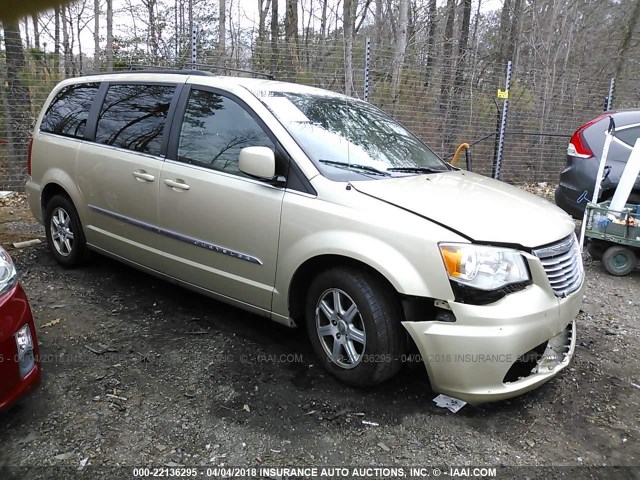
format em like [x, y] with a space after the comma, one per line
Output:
[301, 279]
[49, 191]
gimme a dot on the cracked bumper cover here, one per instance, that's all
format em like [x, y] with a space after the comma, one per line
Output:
[469, 359]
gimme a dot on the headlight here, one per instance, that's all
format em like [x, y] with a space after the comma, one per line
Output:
[483, 268]
[8, 274]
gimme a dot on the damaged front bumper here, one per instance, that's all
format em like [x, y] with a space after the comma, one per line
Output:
[497, 351]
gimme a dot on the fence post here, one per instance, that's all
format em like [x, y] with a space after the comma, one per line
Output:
[194, 39]
[608, 100]
[367, 66]
[497, 156]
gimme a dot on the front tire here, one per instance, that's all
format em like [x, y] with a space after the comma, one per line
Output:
[353, 321]
[64, 232]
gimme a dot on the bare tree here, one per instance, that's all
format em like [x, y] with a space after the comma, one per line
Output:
[431, 41]
[626, 40]
[18, 101]
[275, 34]
[96, 35]
[401, 45]
[291, 35]
[348, 22]
[222, 28]
[152, 43]
[56, 39]
[109, 35]
[36, 30]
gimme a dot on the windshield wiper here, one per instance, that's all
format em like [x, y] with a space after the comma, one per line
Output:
[357, 166]
[417, 169]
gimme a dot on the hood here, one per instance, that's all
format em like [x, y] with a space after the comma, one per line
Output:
[480, 208]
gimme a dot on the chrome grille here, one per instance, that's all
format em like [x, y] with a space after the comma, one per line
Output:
[563, 264]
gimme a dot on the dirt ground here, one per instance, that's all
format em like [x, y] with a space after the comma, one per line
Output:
[141, 373]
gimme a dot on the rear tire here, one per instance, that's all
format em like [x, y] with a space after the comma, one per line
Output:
[64, 232]
[353, 322]
[619, 260]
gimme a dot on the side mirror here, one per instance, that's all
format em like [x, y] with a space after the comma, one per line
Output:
[258, 162]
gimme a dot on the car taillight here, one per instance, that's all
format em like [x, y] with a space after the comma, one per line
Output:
[578, 146]
[29, 147]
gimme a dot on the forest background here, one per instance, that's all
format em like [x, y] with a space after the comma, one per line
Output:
[435, 65]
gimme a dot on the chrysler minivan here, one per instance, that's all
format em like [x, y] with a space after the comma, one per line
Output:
[312, 208]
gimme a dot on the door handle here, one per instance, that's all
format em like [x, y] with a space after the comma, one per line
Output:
[177, 183]
[143, 176]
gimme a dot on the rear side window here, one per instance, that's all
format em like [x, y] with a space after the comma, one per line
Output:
[629, 135]
[134, 117]
[68, 112]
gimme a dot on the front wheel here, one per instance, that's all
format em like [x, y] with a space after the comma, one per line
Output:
[619, 260]
[64, 232]
[353, 321]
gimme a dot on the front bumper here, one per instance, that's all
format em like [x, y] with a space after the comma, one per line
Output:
[474, 358]
[15, 312]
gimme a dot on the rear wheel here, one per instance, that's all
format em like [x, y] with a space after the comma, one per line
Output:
[619, 260]
[353, 321]
[64, 232]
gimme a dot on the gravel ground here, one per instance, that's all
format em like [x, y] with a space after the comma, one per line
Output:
[139, 372]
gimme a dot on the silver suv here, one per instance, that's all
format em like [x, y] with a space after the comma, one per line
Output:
[308, 207]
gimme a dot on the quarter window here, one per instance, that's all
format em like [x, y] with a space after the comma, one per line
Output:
[629, 135]
[214, 130]
[68, 112]
[134, 117]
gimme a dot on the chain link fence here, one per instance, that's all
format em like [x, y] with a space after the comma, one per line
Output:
[444, 100]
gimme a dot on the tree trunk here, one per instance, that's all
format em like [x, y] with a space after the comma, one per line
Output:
[291, 36]
[222, 29]
[36, 30]
[460, 69]
[348, 21]
[514, 33]
[505, 28]
[626, 41]
[26, 32]
[323, 40]
[56, 40]
[275, 35]
[431, 42]
[18, 103]
[66, 48]
[263, 10]
[401, 45]
[96, 35]
[447, 54]
[109, 35]
[153, 36]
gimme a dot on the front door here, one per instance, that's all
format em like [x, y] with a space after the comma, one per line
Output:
[219, 228]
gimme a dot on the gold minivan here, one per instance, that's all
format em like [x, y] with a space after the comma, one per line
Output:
[312, 208]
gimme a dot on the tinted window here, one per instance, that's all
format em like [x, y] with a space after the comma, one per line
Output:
[67, 114]
[629, 135]
[134, 116]
[215, 129]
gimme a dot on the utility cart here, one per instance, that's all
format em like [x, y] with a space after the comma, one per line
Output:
[613, 236]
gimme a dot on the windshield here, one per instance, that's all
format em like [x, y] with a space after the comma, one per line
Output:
[344, 136]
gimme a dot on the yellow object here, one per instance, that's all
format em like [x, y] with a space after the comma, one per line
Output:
[12, 10]
[461, 147]
[503, 94]
[452, 261]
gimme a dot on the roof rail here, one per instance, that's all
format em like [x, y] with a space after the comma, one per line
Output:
[156, 69]
[269, 76]
[186, 69]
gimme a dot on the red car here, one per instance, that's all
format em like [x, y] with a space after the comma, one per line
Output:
[19, 364]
